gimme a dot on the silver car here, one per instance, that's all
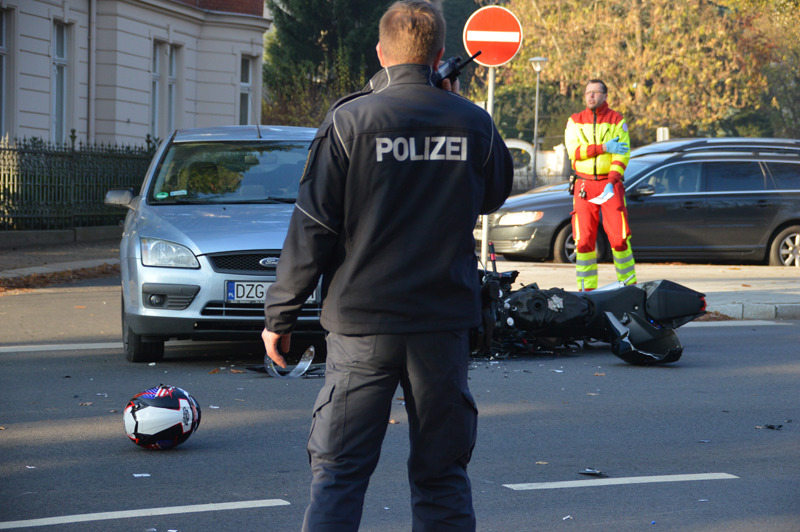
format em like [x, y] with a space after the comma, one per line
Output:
[202, 239]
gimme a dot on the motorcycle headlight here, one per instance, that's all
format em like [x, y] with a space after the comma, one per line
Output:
[520, 218]
[164, 254]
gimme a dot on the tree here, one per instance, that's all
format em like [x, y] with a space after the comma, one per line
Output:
[775, 26]
[320, 51]
[679, 65]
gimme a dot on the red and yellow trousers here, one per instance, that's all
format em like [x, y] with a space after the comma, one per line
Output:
[585, 220]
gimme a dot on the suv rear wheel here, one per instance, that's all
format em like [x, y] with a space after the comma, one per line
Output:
[137, 350]
[785, 248]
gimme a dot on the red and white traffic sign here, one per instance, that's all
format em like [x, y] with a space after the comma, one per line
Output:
[496, 32]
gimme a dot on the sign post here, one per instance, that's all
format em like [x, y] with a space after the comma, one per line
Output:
[497, 33]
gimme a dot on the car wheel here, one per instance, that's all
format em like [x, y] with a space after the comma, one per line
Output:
[137, 350]
[785, 248]
[564, 246]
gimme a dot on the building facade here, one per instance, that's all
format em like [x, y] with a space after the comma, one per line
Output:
[119, 70]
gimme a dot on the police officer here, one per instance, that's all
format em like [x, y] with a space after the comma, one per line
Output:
[395, 180]
[598, 143]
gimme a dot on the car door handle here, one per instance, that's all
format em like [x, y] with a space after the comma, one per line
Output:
[690, 205]
[763, 203]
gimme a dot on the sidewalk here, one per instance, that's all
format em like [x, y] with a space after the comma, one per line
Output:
[740, 292]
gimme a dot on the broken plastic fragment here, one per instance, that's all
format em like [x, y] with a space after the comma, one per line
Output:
[591, 471]
[297, 371]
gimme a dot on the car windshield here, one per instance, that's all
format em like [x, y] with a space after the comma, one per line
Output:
[229, 172]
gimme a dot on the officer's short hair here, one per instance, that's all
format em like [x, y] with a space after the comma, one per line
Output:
[600, 81]
[412, 31]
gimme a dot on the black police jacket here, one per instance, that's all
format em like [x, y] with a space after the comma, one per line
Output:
[395, 180]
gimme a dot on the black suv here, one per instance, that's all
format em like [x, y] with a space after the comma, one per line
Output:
[725, 199]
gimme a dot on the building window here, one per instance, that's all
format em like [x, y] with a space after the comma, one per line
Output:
[245, 91]
[164, 88]
[3, 66]
[155, 78]
[60, 72]
[171, 87]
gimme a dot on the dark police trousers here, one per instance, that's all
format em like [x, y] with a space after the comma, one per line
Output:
[351, 417]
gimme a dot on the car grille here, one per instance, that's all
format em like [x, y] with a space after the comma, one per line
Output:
[247, 263]
[221, 308]
[247, 310]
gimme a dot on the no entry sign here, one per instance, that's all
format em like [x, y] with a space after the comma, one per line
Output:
[496, 32]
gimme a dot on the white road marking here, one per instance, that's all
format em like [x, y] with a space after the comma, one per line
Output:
[144, 512]
[58, 347]
[493, 36]
[618, 481]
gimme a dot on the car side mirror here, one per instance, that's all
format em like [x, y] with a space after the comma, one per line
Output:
[644, 190]
[120, 197]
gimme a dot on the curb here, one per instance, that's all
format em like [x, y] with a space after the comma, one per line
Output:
[758, 311]
[22, 239]
[56, 268]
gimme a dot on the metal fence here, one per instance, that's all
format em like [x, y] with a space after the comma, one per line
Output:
[48, 186]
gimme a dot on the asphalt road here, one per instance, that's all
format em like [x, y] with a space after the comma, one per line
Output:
[682, 447]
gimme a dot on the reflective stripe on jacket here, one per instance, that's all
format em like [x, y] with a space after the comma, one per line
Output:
[585, 136]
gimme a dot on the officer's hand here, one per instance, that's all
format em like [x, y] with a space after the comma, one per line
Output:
[453, 86]
[271, 341]
[615, 146]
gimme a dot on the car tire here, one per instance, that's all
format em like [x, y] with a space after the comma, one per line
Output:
[137, 350]
[564, 246]
[785, 248]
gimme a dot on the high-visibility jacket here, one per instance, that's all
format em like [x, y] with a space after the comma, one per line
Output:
[585, 136]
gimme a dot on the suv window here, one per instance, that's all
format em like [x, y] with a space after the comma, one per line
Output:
[785, 175]
[675, 179]
[735, 176]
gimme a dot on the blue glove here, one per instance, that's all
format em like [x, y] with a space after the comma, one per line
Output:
[615, 146]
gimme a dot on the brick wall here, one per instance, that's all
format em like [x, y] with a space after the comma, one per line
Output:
[247, 7]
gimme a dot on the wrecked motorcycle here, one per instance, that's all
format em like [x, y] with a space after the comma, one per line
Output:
[638, 320]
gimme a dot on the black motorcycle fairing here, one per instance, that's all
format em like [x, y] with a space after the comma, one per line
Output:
[640, 343]
[671, 304]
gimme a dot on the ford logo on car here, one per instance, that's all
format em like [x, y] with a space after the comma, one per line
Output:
[269, 262]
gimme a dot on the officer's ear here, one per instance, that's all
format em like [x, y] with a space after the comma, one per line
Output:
[439, 56]
[381, 57]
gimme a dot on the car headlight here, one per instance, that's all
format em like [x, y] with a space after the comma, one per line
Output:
[166, 254]
[520, 218]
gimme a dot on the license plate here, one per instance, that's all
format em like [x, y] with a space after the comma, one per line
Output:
[251, 292]
[246, 291]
